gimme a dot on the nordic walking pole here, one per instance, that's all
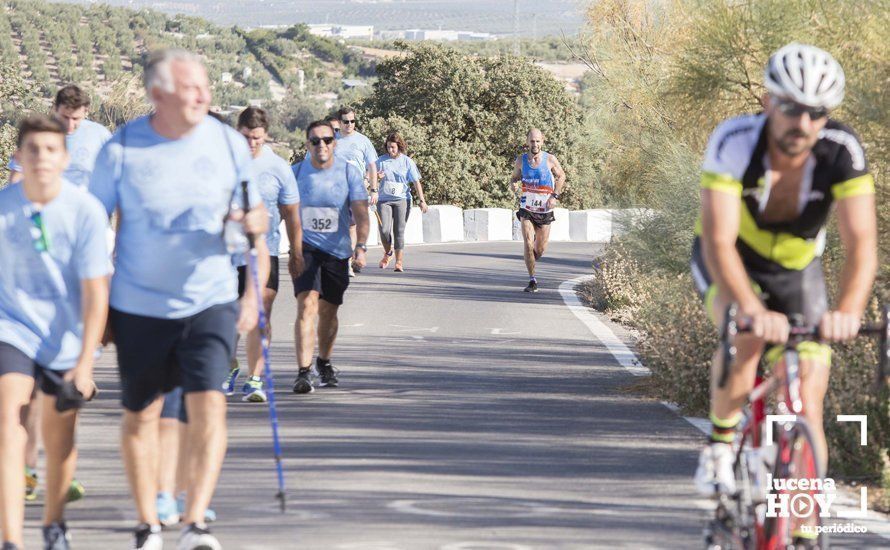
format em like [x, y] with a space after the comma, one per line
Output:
[264, 339]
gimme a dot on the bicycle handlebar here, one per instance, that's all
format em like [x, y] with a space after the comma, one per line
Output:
[732, 326]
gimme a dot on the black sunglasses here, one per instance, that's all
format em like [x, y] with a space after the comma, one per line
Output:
[795, 109]
[344, 121]
[316, 140]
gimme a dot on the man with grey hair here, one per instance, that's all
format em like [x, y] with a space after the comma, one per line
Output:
[174, 177]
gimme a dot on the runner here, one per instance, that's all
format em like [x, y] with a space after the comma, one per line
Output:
[54, 303]
[330, 188]
[279, 191]
[173, 176]
[397, 171]
[334, 120]
[769, 182]
[357, 149]
[542, 180]
[84, 137]
[83, 140]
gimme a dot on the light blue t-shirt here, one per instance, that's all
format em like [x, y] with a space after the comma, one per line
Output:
[277, 186]
[40, 291]
[83, 146]
[173, 196]
[324, 204]
[395, 175]
[357, 149]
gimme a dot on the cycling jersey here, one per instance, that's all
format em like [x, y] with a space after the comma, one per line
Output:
[736, 162]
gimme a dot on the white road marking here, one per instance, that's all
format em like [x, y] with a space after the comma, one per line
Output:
[500, 332]
[876, 523]
[406, 328]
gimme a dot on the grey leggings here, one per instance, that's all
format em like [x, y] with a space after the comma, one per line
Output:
[393, 218]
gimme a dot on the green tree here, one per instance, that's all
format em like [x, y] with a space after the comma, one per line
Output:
[466, 119]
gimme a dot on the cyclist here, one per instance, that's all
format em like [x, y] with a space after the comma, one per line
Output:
[769, 181]
[542, 179]
[330, 188]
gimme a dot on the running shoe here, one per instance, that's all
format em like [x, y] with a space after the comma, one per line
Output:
[168, 512]
[328, 375]
[56, 537]
[532, 286]
[76, 491]
[30, 484]
[229, 385]
[148, 537]
[303, 383]
[209, 514]
[253, 390]
[398, 268]
[195, 537]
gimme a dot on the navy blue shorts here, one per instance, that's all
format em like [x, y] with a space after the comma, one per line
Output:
[323, 273]
[155, 355]
[273, 276]
[12, 359]
[174, 405]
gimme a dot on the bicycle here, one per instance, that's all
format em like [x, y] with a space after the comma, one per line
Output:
[740, 520]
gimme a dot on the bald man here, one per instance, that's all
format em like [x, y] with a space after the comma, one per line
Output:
[540, 178]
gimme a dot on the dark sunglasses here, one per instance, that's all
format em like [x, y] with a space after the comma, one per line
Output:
[315, 141]
[795, 109]
[39, 234]
[344, 121]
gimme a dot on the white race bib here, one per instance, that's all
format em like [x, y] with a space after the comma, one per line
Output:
[320, 219]
[392, 188]
[534, 202]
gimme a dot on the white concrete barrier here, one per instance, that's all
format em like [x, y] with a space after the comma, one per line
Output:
[559, 229]
[488, 224]
[374, 228]
[443, 223]
[284, 243]
[591, 225]
[414, 227]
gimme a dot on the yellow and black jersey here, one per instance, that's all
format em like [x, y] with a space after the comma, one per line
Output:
[736, 162]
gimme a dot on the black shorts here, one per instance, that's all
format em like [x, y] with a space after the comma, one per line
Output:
[786, 291]
[538, 219]
[155, 355]
[323, 273]
[174, 405]
[273, 276]
[12, 359]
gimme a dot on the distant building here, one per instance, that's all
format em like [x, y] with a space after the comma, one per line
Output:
[354, 83]
[246, 73]
[345, 32]
[225, 78]
[437, 35]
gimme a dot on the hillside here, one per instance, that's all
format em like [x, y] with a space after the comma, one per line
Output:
[98, 46]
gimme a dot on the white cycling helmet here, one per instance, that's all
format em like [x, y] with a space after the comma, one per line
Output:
[805, 74]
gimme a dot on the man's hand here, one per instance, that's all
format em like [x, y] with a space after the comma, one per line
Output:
[82, 376]
[256, 222]
[249, 316]
[515, 187]
[358, 258]
[839, 326]
[295, 264]
[372, 197]
[770, 326]
[551, 203]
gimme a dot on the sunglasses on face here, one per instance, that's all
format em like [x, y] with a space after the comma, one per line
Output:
[794, 109]
[38, 233]
[344, 121]
[315, 141]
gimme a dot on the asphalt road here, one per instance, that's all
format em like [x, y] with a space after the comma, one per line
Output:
[470, 416]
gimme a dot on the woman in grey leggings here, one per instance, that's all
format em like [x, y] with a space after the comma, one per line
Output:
[395, 172]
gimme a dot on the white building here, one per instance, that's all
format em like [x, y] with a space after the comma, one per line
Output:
[345, 32]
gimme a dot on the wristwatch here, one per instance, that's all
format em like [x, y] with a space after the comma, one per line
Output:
[555, 195]
[361, 246]
[372, 190]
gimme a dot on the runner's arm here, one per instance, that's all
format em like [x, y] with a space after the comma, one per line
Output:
[720, 229]
[362, 220]
[558, 172]
[517, 174]
[94, 303]
[290, 213]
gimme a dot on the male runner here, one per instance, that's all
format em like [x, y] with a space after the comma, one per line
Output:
[769, 182]
[542, 179]
[282, 200]
[53, 304]
[174, 175]
[355, 148]
[84, 137]
[330, 189]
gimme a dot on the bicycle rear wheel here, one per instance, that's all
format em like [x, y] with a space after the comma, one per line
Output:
[797, 459]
